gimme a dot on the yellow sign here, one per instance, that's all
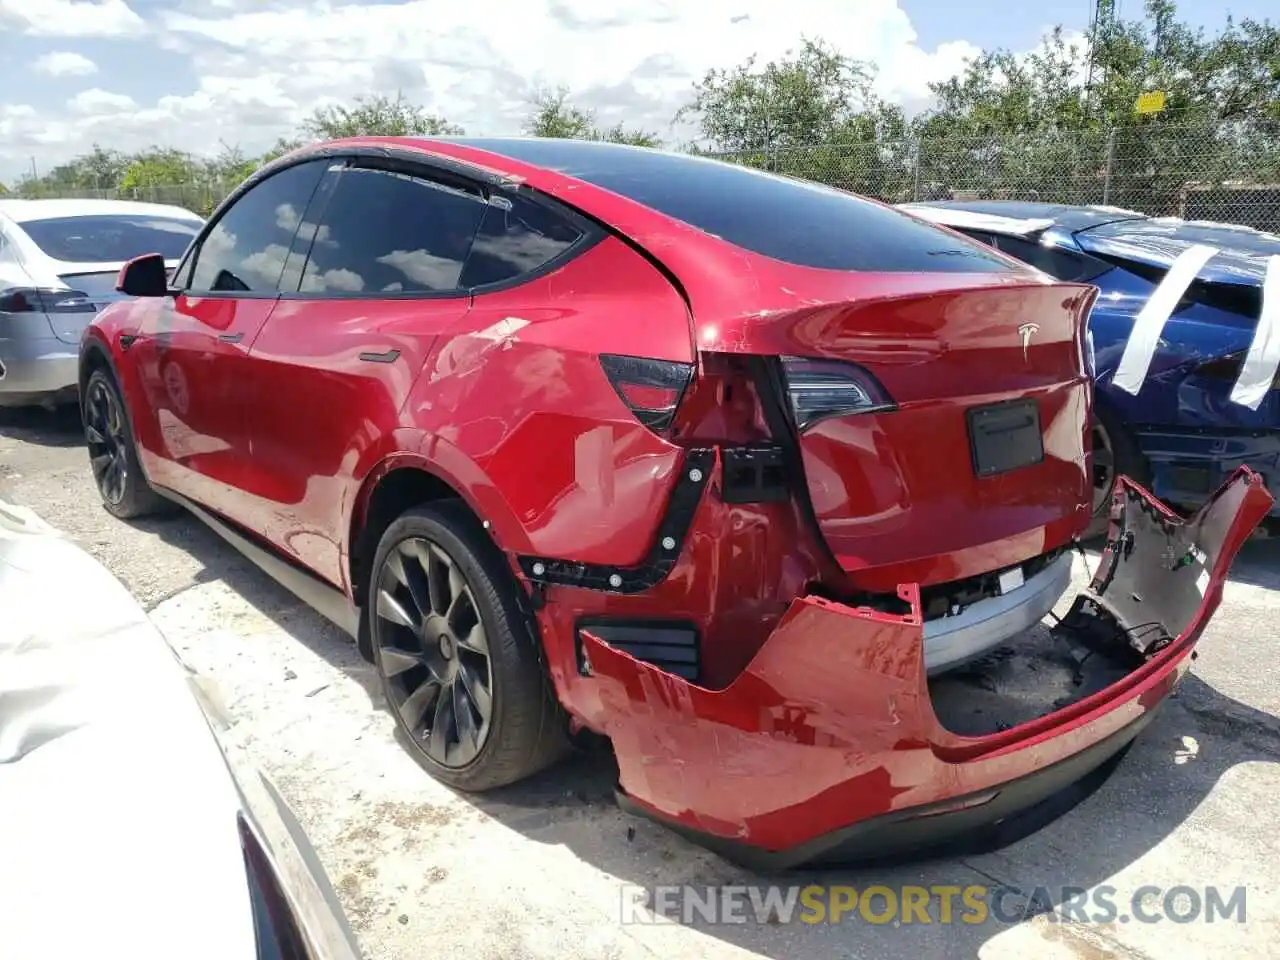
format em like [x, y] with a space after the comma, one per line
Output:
[1150, 102]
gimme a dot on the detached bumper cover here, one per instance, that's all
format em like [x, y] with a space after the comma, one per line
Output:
[827, 747]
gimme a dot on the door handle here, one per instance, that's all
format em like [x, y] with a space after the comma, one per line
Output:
[231, 337]
[387, 357]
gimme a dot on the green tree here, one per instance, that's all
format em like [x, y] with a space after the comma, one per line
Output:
[1061, 123]
[554, 116]
[378, 116]
[159, 167]
[813, 114]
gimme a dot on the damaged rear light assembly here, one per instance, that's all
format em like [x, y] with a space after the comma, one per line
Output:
[818, 389]
[651, 389]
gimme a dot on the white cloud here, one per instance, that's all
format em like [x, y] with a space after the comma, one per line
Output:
[64, 63]
[263, 65]
[71, 18]
[97, 101]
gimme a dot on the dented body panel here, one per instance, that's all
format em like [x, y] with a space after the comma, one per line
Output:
[831, 723]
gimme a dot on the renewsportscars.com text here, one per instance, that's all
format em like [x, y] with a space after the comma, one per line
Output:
[938, 904]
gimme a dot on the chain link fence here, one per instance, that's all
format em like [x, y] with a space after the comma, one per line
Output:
[201, 197]
[1227, 172]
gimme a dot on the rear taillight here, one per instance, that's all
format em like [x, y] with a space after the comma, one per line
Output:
[819, 389]
[651, 389]
[44, 300]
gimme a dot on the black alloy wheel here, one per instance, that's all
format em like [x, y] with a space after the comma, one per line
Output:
[105, 434]
[433, 652]
[1104, 468]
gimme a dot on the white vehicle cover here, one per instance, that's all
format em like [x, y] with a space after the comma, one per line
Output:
[119, 815]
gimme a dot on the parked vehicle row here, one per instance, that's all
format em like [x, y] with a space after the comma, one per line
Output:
[720, 465]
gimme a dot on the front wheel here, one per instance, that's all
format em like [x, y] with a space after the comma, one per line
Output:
[459, 666]
[113, 456]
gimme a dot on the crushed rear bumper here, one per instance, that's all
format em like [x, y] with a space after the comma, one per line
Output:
[827, 748]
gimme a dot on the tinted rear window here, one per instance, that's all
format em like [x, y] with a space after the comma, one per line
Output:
[1058, 263]
[113, 238]
[790, 220]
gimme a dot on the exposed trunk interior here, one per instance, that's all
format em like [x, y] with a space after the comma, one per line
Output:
[1040, 671]
[1153, 582]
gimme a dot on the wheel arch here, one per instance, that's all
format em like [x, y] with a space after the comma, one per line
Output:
[404, 480]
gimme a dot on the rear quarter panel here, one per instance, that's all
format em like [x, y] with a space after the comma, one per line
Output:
[516, 396]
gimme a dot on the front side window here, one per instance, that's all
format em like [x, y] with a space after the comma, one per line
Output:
[112, 238]
[388, 232]
[245, 251]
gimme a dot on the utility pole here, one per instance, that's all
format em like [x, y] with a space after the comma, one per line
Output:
[1104, 14]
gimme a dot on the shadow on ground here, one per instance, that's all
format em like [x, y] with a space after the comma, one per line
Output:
[1149, 795]
[60, 427]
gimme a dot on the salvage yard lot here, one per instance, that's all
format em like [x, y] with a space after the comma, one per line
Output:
[538, 870]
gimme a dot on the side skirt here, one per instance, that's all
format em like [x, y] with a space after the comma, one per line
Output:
[325, 599]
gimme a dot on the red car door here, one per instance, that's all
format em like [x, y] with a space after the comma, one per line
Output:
[333, 367]
[192, 352]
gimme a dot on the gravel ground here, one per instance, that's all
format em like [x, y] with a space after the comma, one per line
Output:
[536, 871]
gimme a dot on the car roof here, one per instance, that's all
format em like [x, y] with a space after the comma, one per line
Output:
[1240, 257]
[21, 211]
[1061, 215]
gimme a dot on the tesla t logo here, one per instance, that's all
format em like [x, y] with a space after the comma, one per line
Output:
[1026, 331]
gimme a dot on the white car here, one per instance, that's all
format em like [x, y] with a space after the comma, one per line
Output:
[59, 260]
[129, 819]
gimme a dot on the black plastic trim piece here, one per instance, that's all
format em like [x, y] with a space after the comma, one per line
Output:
[389, 356]
[231, 337]
[671, 645]
[1004, 437]
[695, 472]
[754, 473]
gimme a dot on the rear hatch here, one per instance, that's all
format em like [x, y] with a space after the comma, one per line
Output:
[941, 419]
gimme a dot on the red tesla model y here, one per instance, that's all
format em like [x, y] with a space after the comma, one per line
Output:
[732, 469]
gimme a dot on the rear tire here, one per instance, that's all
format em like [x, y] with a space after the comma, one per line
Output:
[113, 456]
[1115, 453]
[459, 666]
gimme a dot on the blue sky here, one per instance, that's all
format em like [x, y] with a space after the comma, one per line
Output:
[1016, 25]
[197, 74]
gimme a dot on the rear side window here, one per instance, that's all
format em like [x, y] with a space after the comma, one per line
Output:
[518, 236]
[790, 220]
[111, 239]
[389, 232]
[246, 249]
[1058, 263]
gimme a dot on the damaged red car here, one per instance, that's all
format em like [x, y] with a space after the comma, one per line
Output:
[748, 475]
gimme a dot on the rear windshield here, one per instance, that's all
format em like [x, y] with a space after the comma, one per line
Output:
[790, 220]
[111, 238]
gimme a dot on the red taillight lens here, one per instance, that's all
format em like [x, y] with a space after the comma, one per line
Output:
[651, 389]
[43, 300]
[819, 389]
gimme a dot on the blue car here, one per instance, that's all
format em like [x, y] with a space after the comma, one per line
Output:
[1185, 351]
